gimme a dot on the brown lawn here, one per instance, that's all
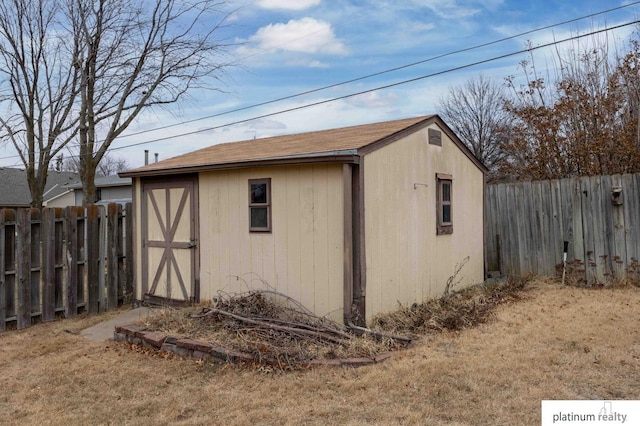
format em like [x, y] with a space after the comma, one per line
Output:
[556, 343]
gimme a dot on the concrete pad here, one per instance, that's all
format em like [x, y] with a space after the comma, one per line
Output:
[104, 330]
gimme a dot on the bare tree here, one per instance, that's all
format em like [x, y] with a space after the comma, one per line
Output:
[109, 165]
[37, 86]
[85, 69]
[474, 111]
[136, 54]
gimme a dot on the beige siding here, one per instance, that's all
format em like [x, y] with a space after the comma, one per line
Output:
[63, 200]
[406, 261]
[302, 256]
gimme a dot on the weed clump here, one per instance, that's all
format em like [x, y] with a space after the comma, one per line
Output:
[453, 311]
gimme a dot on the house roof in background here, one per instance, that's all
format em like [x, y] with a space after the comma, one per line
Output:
[325, 143]
[14, 188]
[103, 182]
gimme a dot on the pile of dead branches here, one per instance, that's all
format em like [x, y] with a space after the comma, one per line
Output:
[275, 329]
[273, 332]
[453, 311]
[279, 331]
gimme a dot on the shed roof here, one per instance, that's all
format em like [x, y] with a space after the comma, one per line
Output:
[334, 144]
[104, 182]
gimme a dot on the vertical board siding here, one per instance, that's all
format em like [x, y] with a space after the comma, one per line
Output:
[527, 222]
[406, 261]
[49, 262]
[302, 256]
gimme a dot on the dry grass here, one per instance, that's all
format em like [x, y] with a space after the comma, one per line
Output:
[558, 343]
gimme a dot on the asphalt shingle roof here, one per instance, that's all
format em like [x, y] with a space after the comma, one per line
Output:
[14, 189]
[296, 145]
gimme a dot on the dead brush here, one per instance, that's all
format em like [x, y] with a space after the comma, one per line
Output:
[275, 329]
[280, 332]
[453, 311]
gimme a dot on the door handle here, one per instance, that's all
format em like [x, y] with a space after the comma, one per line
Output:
[193, 242]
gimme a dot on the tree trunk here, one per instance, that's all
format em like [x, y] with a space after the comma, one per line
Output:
[37, 180]
[87, 171]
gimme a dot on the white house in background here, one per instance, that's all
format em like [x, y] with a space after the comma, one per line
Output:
[108, 189]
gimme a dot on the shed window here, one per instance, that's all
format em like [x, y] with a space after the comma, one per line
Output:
[444, 204]
[260, 205]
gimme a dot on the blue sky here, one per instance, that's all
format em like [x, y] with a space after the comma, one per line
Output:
[285, 47]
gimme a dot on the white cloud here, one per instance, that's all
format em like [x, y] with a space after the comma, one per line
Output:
[305, 35]
[265, 124]
[287, 4]
[373, 100]
[449, 9]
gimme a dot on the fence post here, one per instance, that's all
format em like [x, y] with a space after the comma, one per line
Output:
[23, 253]
[71, 261]
[35, 255]
[93, 259]
[128, 241]
[113, 210]
[3, 289]
[48, 265]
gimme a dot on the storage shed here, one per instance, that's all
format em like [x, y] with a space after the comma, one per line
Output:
[349, 222]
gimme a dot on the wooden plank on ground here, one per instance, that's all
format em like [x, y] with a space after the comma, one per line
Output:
[48, 265]
[93, 259]
[71, 261]
[23, 249]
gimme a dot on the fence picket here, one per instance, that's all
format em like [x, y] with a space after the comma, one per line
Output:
[23, 249]
[71, 261]
[112, 255]
[93, 260]
[533, 219]
[48, 265]
[128, 260]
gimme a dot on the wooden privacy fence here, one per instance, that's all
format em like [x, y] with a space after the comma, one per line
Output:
[63, 261]
[527, 222]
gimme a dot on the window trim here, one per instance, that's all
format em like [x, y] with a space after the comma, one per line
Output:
[444, 228]
[266, 205]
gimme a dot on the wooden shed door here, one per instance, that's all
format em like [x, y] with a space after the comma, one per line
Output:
[170, 245]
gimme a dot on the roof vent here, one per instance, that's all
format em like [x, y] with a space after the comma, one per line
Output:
[435, 137]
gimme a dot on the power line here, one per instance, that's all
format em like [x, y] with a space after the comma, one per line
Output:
[379, 73]
[411, 80]
[373, 75]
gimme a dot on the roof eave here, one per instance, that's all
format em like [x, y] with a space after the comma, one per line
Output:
[349, 156]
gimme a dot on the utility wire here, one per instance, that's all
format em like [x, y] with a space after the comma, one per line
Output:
[411, 80]
[376, 74]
